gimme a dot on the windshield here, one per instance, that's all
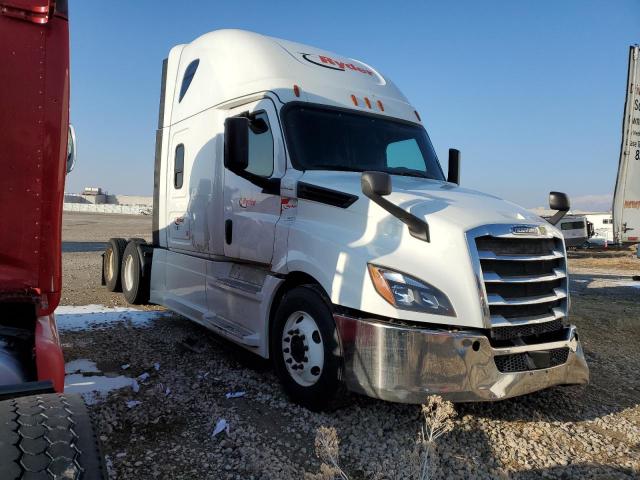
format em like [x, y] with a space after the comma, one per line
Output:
[321, 138]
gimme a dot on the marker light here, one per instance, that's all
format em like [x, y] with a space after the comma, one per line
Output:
[354, 100]
[380, 106]
[366, 100]
[408, 293]
[296, 90]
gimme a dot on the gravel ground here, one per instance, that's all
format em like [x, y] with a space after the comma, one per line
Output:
[568, 432]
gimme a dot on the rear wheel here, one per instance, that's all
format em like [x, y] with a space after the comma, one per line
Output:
[135, 283]
[111, 261]
[48, 436]
[305, 347]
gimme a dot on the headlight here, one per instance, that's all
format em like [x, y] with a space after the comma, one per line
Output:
[409, 293]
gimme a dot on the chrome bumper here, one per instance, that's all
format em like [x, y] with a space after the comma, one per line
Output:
[406, 364]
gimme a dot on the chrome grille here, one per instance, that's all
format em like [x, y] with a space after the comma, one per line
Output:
[524, 280]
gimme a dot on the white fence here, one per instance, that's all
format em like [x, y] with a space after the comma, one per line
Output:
[107, 208]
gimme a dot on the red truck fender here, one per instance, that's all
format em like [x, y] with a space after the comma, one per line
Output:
[49, 358]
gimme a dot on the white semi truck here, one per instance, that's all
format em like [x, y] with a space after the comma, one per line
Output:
[301, 212]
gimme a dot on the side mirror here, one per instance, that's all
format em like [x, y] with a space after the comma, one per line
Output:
[558, 201]
[454, 166]
[71, 148]
[236, 143]
[377, 183]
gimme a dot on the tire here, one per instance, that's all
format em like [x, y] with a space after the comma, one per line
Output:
[111, 261]
[137, 240]
[135, 283]
[305, 347]
[48, 436]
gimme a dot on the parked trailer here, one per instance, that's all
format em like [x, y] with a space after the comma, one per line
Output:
[301, 212]
[576, 230]
[626, 199]
[44, 433]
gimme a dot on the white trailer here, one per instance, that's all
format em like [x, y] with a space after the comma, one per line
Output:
[575, 230]
[626, 199]
[301, 212]
[602, 225]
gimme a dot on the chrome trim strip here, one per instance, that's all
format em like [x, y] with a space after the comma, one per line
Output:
[492, 277]
[558, 294]
[500, 321]
[488, 255]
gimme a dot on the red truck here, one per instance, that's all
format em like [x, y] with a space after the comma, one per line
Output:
[43, 432]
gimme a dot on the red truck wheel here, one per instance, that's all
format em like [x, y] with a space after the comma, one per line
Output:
[48, 436]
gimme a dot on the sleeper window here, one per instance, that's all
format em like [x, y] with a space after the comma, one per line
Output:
[178, 167]
[188, 77]
[261, 148]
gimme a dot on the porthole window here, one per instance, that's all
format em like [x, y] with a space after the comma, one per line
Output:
[188, 77]
[178, 167]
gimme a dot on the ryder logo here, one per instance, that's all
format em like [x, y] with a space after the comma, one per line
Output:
[334, 64]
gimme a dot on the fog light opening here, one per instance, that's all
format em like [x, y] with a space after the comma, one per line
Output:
[476, 346]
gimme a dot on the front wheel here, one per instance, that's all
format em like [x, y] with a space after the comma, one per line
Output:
[305, 348]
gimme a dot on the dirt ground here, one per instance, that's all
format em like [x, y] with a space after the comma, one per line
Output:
[567, 432]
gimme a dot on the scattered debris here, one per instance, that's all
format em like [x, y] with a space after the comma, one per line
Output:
[235, 394]
[221, 426]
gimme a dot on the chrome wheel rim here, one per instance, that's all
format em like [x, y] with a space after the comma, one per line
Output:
[109, 263]
[302, 348]
[128, 272]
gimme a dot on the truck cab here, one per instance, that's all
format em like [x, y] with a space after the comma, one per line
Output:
[301, 211]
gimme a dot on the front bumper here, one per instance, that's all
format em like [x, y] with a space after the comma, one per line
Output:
[405, 364]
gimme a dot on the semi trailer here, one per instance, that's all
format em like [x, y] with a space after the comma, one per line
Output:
[301, 212]
[626, 198]
[44, 433]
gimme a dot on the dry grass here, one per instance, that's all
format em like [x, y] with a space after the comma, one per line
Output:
[437, 416]
[605, 260]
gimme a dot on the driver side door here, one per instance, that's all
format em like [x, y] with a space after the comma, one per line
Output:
[251, 211]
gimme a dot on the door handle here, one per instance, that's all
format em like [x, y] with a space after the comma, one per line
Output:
[228, 231]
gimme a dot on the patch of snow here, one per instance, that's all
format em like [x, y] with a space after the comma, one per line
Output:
[83, 317]
[156, 366]
[142, 377]
[94, 387]
[81, 365]
[125, 366]
[133, 403]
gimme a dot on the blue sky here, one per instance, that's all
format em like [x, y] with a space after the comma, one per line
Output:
[531, 92]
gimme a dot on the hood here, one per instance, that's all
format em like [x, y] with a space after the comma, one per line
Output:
[432, 200]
